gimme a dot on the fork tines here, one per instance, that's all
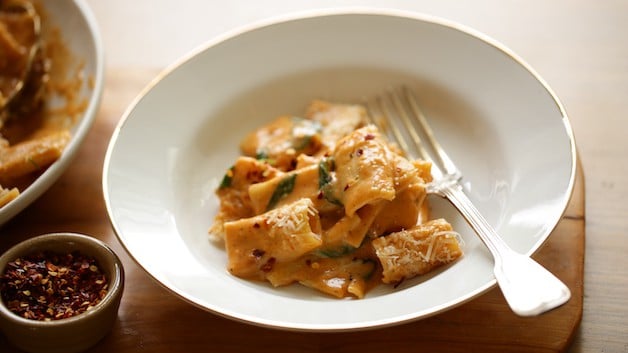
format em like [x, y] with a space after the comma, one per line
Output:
[398, 115]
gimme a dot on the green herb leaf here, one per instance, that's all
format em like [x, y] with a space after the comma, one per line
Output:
[303, 130]
[227, 179]
[367, 276]
[285, 187]
[261, 154]
[324, 172]
[335, 252]
[325, 180]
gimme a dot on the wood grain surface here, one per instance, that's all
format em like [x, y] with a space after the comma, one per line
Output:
[151, 319]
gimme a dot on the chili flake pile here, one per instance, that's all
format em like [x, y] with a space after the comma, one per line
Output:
[50, 286]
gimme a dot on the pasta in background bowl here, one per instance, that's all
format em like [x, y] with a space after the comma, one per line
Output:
[37, 146]
[160, 194]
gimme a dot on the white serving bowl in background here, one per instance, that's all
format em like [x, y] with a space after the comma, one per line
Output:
[80, 33]
[503, 126]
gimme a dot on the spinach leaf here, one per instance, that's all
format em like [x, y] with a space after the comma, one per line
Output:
[303, 130]
[227, 179]
[325, 180]
[261, 155]
[285, 187]
[367, 276]
[335, 252]
[324, 172]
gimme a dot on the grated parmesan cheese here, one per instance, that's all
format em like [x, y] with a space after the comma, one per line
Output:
[415, 251]
[293, 218]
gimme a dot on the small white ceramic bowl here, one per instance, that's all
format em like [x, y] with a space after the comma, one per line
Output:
[80, 35]
[75, 333]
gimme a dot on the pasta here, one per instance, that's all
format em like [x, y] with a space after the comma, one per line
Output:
[328, 202]
[32, 137]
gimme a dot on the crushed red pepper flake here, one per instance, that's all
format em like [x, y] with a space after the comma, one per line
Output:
[268, 266]
[258, 253]
[50, 286]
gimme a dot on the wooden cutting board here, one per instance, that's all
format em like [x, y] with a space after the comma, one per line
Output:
[153, 320]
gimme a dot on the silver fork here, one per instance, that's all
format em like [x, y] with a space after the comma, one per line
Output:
[528, 287]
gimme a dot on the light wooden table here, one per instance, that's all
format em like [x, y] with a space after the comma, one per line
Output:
[580, 47]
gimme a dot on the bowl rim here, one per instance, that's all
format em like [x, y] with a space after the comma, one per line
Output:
[116, 280]
[339, 11]
[54, 171]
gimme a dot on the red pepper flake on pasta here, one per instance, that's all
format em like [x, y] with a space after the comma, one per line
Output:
[51, 286]
[257, 253]
[268, 266]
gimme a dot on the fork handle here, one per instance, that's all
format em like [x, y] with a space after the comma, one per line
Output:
[528, 287]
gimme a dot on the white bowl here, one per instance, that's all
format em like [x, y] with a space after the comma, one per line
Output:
[79, 31]
[502, 124]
